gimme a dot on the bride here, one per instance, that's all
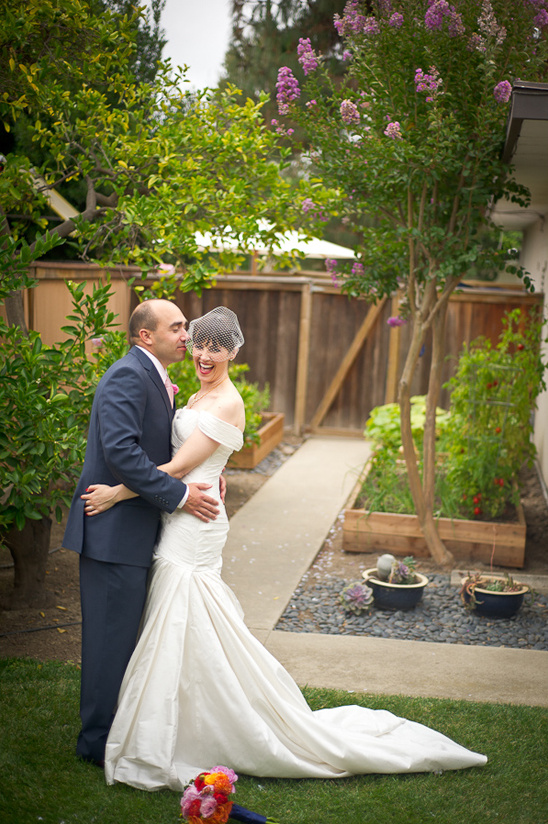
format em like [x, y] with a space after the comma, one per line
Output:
[200, 689]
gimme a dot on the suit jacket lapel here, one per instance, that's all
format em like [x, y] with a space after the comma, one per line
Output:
[154, 376]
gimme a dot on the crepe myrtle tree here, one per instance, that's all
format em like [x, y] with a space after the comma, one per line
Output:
[146, 165]
[412, 140]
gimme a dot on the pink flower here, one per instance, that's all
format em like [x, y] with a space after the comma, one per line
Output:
[502, 91]
[190, 795]
[393, 130]
[288, 89]
[174, 387]
[349, 112]
[307, 57]
[396, 321]
[427, 82]
[166, 269]
[396, 21]
[208, 806]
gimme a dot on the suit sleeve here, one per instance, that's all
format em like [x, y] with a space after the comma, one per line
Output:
[130, 453]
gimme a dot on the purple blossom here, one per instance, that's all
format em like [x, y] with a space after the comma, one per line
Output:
[98, 343]
[349, 112]
[477, 43]
[393, 130]
[396, 21]
[427, 82]
[487, 24]
[288, 89]
[308, 205]
[502, 91]
[331, 265]
[541, 19]
[347, 55]
[371, 26]
[440, 10]
[311, 104]
[396, 321]
[307, 58]
[357, 269]
[352, 22]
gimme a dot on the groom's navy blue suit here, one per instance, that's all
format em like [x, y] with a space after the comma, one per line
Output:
[129, 436]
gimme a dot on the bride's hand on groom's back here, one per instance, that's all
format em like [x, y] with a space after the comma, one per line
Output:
[98, 498]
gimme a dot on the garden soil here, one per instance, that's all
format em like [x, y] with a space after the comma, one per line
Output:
[53, 632]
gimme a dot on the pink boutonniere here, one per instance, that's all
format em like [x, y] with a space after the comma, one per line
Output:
[175, 388]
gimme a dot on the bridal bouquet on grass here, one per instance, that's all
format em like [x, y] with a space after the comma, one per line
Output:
[207, 800]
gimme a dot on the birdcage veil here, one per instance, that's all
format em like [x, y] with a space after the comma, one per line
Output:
[217, 333]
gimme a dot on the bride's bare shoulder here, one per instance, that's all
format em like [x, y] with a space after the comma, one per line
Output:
[229, 407]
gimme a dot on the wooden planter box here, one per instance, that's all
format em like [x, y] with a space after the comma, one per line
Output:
[401, 535]
[270, 434]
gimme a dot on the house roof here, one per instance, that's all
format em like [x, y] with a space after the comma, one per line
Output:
[526, 149]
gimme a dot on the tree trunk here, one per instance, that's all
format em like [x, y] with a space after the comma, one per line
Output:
[432, 400]
[15, 311]
[423, 508]
[29, 548]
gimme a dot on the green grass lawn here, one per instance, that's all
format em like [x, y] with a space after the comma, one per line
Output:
[41, 780]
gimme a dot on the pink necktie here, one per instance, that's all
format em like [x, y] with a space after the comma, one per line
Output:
[169, 390]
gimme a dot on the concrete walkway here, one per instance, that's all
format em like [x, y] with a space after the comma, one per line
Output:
[274, 539]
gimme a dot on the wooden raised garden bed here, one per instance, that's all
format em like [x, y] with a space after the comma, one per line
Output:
[485, 541]
[270, 434]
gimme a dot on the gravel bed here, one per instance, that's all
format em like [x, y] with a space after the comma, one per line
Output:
[440, 617]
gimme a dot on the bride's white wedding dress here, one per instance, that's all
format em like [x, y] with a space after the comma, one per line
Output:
[200, 690]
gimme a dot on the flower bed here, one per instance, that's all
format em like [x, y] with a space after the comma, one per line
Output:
[270, 434]
[503, 543]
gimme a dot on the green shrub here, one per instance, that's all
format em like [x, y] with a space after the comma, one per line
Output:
[482, 442]
[493, 396]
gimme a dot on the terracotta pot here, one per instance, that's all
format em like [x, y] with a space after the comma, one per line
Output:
[395, 596]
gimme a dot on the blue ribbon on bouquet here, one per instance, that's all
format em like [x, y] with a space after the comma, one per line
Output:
[238, 813]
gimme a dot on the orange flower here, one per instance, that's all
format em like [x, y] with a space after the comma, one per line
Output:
[220, 782]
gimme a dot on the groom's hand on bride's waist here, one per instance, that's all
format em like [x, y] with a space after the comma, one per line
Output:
[200, 504]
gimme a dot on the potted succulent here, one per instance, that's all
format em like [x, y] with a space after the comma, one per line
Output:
[493, 595]
[395, 584]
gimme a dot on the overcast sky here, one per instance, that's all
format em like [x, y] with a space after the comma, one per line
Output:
[197, 34]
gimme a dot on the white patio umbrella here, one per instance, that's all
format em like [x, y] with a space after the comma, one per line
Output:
[287, 242]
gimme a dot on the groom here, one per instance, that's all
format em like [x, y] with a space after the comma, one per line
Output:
[129, 436]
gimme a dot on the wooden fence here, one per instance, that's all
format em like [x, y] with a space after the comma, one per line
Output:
[328, 359]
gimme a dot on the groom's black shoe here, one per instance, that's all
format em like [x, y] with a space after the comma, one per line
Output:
[94, 761]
